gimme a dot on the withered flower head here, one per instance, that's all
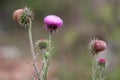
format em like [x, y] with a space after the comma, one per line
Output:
[23, 16]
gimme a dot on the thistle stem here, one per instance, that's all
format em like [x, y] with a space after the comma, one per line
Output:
[100, 74]
[93, 70]
[32, 49]
[46, 56]
[47, 59]
[46, 64]
[50, 37]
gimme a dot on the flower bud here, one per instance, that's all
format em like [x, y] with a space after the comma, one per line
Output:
[47, 54]
[42, 44]
[96, 46]
[22, 16]
[101, 63]
[53, 22]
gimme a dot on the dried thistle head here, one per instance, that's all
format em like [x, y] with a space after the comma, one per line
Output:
[22, 16]
[96, 46]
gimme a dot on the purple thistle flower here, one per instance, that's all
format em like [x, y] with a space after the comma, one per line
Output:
[53, 22]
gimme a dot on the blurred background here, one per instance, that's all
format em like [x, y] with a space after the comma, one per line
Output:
[83, 21]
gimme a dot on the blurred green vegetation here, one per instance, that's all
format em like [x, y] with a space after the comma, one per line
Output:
[83, 20]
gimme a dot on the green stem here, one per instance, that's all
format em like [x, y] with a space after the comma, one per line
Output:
[46, 68]
[47, 59]
[45, 65]
[32, 49]
[44, 71]
[100, 74]
[50, 36]
[50, 40]
[93, 69]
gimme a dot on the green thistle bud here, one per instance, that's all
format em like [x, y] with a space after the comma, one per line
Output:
[42, 44]
[47, 54]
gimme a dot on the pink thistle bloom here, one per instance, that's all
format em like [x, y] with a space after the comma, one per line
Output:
[96, 46]
[102, 60]
[102, 63]
[99, 45]
[53, 22]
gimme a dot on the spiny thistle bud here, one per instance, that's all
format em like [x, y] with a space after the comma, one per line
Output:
[22, 16]
[53, 22]
[102, 63]
[96, 46]
[42, 44]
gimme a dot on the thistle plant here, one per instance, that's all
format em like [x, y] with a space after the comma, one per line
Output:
[52, 23]
[98, 66]
[42, 47]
